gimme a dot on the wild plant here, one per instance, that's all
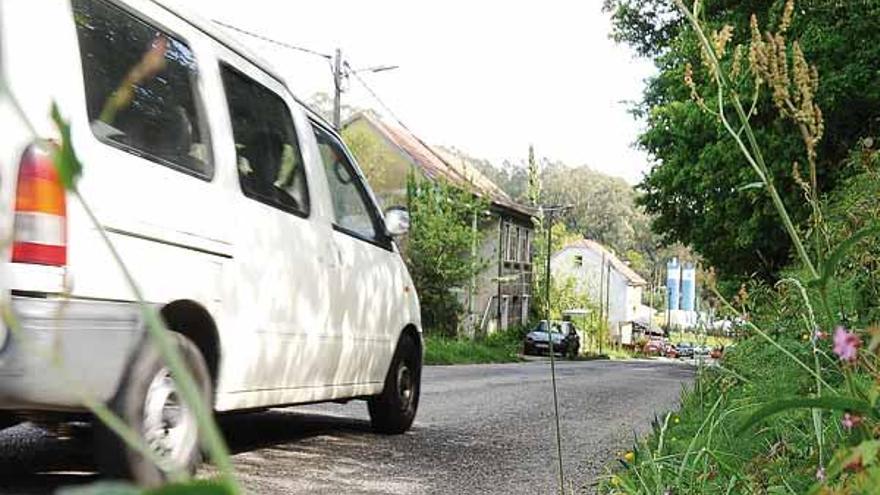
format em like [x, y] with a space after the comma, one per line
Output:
[843, 416]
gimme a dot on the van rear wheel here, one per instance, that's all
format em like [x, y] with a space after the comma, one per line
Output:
[149, 403]
[392, 412]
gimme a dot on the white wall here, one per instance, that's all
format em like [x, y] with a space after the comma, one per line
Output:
[624, 299]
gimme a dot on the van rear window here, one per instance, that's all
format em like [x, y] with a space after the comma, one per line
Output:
[140, 87]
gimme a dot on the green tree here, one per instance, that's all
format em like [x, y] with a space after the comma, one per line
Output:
[698, 188]
[373, 155]
[438, 249]
[604, 209]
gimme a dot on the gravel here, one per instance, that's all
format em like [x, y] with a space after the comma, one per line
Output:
[480, 429]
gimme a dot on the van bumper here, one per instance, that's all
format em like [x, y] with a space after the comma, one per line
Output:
[66, 349]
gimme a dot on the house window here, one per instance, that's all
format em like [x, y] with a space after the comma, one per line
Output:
[524, 247]
[530, 238]
[509, 255]
[578, 260]
[516, 251]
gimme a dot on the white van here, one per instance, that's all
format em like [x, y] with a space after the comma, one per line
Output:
[242, 216]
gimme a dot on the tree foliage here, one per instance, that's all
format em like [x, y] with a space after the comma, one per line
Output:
[438, 249]
[604, 207]
[698, 189]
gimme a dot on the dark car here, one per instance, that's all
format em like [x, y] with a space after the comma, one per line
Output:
[685, 350]
[564, 335]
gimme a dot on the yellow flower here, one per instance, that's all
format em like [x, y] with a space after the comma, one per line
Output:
[676, 420]
[615, 480]
[629, 456]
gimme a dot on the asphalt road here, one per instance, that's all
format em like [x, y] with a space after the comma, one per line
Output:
[480, 429]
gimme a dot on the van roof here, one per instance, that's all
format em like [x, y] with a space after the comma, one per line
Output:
[219, 35]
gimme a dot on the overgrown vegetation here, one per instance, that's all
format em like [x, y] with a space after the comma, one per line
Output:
[698, 187]
[794, 408]
[500, 347]
[439, 250]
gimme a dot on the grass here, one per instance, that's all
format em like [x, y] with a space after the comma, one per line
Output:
[701, 448]
[444, 350]
[501, 347]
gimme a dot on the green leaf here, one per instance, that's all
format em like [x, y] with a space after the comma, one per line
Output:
[868, 450]
[751, 185]
[66, 162]
[830, 403]
[829, 267]
[200, 487]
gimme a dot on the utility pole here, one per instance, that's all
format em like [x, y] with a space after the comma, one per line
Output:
[337, 89]
[342, 70]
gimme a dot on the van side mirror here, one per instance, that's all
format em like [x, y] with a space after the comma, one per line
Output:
[397, 221]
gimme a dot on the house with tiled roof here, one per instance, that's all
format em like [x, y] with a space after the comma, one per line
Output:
[501, 294]
[613, 287]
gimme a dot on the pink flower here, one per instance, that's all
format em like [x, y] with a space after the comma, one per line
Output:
[850, 421]
[846, 344]
[820, 473]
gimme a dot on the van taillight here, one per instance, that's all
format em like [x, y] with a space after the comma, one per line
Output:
[40, 231]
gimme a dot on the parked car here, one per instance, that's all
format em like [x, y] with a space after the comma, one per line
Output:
[563, 334]
[671, 351]
[243, 218]
[654, 347]
[685, 350]
[717, 352]
[702, 350]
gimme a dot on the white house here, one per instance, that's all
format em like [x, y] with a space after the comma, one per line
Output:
[607, 281]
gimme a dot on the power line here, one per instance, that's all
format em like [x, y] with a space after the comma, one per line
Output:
[375, 96]
[273, 41]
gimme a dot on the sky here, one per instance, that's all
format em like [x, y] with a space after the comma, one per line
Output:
[487, 77]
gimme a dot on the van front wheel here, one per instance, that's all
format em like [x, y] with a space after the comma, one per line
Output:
[392, 412]
[149, 403]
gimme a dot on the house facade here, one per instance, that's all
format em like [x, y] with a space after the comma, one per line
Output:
[500, 295]
[612, 285]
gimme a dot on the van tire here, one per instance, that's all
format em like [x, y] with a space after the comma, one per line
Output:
[148, 379]
[392, 412]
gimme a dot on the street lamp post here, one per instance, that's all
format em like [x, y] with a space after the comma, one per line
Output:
[341, 70]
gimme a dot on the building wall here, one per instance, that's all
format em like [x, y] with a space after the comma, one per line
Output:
[585, 267]
[509, 277]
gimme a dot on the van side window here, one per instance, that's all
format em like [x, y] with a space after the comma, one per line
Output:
[140, 87]
[351, 206]
[270, 165]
